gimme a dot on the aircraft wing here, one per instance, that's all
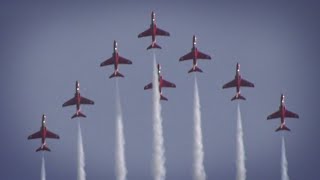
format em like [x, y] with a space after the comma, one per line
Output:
[230, 84]
[84, 100]
[188, 56]
[202, 55]
[168, 84]
[35, 135]
[246, 83]
[274, 115]
[147, 32]
[123, 60]
[71, 102]
[52, 135]
[107, 62]
[148, 86]
[161, 32]
[290, 114]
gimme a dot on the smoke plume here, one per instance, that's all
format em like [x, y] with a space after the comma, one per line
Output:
[121, 170]
[159, 171]
[81, 158]
[240, 162]
[43, 168]
[284, 162]
[199, 172]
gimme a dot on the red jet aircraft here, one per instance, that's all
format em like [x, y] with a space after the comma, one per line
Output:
[116, 59]
[162, 83]
[238, 82]
[282, 113]
[153, 31]
[195, 54]
[77, 100]
[43, 134]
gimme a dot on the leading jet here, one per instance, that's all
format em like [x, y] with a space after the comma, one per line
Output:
[153, 31]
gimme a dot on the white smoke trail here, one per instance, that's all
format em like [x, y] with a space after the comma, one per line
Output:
[81, 158]
[159, 170]
[284, 162]
[198, 153]
[121, 170]
[43, 168]
[240, 164]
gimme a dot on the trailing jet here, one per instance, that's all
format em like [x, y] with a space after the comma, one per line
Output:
[77, 100]
[195, 54]
[153, 31]
[162, 83]
[43, 134]
[283, 113]
[116, 59]
[238, 82]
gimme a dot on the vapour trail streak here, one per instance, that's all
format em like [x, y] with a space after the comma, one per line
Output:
[81, 158]
[284, 162]
[121, 170]
[159, 171]
[43, 168]
[240, 162]
[198, 153]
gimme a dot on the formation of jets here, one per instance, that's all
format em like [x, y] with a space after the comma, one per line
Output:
[193, 55]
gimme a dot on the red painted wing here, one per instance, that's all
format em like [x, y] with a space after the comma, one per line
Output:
[108, 62]
[71, 102]
[167, 84]
[161, 32]
[230, 84]
[202, 55]
[35, 135]
[123, 60]
[148, 86]
[188, 56]
[290, 114]
[246, 83]
[51, 135]
[274, 115]
[84, 100]
[147, 32]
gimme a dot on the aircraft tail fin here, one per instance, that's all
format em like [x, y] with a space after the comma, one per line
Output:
[283, 128]
[78, 114]
[43, 148]
[163, 98]
[116, 74]
[154, 45]
[195, 69]
[238, 96]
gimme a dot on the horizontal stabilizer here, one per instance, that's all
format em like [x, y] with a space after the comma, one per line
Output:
[78, 114]
[163, 98]
[282, 128]
[116, 74]
[43, 148]
[195, 69]
[238, 96]
[154, 45]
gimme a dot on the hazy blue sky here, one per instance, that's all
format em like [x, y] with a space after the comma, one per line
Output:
[46, 46]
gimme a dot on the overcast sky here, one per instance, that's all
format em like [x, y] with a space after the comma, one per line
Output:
[45, 47]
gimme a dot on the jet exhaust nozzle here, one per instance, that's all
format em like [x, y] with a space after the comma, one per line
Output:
[78, 114]
[282, 128]
[43, 148]
[195, 69]
[153, 46]
[116, 74]
[238, 96]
